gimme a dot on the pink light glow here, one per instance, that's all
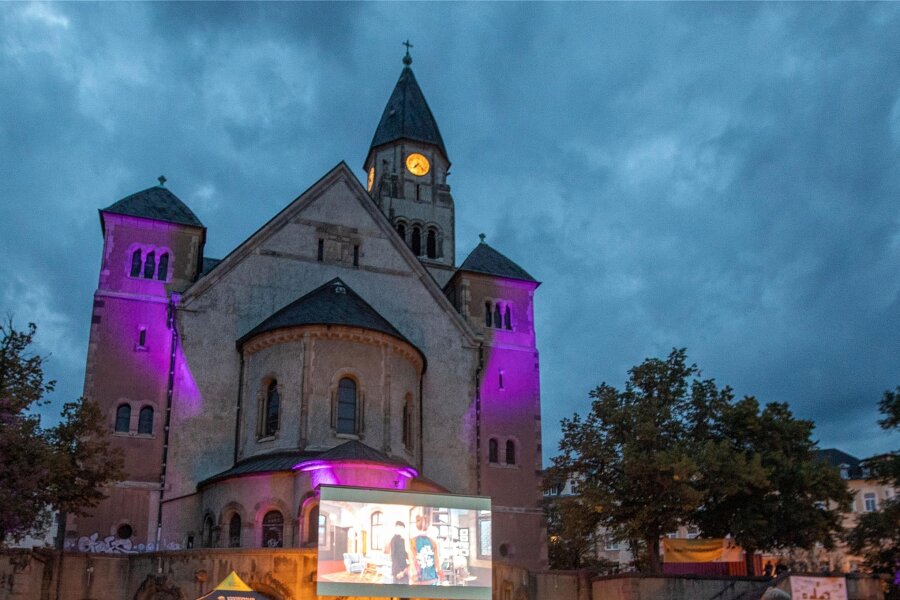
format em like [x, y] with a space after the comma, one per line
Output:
[356, 473]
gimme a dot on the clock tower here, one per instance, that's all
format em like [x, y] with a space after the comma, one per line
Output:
[406, 169]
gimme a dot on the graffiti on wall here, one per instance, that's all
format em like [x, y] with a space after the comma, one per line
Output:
[114, 545]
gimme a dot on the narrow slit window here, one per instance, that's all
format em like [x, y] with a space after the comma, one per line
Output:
[488, 311]
[162, 272]
[500, 379]
[142, 338]
[320, 256]
[150, 265]
[273, 407]
[507, 318]
[431, 244]
[136, 263]
[510, 452]
[493, 451]
[417, 241]
[356, 255]
[123, 418]
[145, 421]
[498, 317]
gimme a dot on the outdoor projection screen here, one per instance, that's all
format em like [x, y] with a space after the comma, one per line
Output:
[403, 544]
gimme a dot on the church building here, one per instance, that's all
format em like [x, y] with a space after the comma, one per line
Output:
[340, 343]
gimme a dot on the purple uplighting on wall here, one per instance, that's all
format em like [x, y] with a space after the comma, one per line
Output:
[356, 473]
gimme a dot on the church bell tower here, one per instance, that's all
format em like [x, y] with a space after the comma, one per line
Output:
[406, 169]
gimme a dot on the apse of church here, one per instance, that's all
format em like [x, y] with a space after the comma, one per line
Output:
[339, 344]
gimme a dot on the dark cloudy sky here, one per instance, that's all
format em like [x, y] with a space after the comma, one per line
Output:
[717, 176]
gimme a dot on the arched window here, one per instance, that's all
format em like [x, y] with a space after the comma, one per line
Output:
[376, 526]
[162, 272]
[416, 244]
[431, 244]
[488, 311]
[510, 452]
[207, 532]
[145, 420]
[273, 530]
[234, 531]
[401, 231]
[123, 418]
[273, 402]
[507, 318]
[346, 406]
[312, 526]
[136, 263]
[498, 318]
[150, 265]
[493, 451]
[407, 422]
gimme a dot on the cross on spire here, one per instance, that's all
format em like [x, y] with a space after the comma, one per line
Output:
[162, 180]
[407, 60]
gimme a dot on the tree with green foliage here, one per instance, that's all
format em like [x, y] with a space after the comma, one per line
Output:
[876, 535]
[797, 501]
[672, 449]
[573, 535]
[61, 468]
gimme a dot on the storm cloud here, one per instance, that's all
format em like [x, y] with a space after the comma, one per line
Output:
[717, 176]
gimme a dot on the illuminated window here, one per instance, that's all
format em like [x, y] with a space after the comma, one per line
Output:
[431, 244]
[507, 318]
[136, 263]
[123, 418]
[416, 241]
[510, 452]
[484, 533]
[376, 526]
[145, 420]
[273, 406]
[273, 530]
[234, 531]
[870, 502]
[162, 272]
[346, 406]
[488, 311]
[493, 451]
[150, 265]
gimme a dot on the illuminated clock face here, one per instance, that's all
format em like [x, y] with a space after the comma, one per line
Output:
[371, 177]
[417, 164]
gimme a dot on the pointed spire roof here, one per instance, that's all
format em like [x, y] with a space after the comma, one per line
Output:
[333, 303]
[486, 260]
[407, 115]
[156, 203]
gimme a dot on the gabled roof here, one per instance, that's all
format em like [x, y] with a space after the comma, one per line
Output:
[407, 116]
[486, 260]
[333, 303]
[837, 458]
[156, 203]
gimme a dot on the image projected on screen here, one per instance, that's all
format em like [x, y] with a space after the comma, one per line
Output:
[381, 543]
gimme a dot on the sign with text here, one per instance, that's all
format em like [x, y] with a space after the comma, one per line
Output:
[818, 588]
[383, 543]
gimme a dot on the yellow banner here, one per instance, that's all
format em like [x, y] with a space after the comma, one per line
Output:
[700, 550]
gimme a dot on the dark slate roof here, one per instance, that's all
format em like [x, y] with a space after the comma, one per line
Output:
[208, 265]
[357, 451]
[484, 259]
[268, 463]
[155, 203]
[407, 116]
[286, 461]
[331, 304]
[836, 458]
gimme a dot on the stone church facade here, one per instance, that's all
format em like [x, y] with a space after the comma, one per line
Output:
[340, 343]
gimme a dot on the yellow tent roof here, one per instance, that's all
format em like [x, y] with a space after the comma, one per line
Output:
[233, 583]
